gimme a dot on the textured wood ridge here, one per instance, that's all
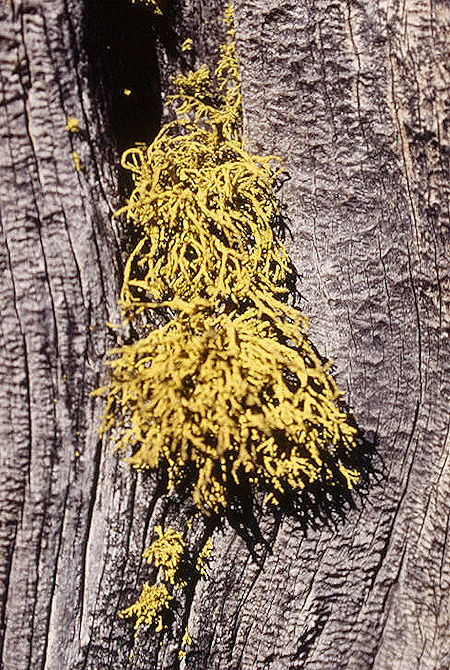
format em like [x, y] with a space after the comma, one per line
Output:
[352, 97]
[58, 289]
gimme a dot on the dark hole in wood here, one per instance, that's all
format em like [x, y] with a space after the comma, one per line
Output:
[121, 42]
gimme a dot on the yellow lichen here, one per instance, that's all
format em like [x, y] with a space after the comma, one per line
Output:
[204, 206]
[153, 4]
[166, 552]
[206, 224]
[229, 392]
[221, 400]
[77, 161]
[203, 556]
[151, 606]
[72, 124]
[185, 642]
[187, 45]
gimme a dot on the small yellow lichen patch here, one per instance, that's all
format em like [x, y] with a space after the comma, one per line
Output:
[150, 608]
[153, 4]
[187, 45]
[127, 92]
[77, 161]
[166, 553]
[185, 642]
[73, 124]
[351, 476]
[202, 558]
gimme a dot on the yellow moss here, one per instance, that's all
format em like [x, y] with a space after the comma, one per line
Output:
[150, 608]
[166, 552]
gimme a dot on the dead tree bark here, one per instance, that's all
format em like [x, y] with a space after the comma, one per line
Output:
[59, 270]
[352, 97]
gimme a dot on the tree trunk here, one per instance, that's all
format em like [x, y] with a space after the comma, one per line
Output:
[352, 97]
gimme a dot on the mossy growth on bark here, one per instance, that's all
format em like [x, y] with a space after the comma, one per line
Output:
[229, 394]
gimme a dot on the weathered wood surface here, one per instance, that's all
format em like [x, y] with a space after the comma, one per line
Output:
[58, 288]
[352, 97]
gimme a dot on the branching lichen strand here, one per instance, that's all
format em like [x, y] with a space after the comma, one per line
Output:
[166, 552]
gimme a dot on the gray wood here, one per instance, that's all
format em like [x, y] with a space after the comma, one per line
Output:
[352, 96]
[58, 288]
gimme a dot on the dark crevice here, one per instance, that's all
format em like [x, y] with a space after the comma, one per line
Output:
[121, 44]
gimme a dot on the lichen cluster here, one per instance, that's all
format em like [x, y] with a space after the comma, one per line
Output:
[227, 399]
[203, 556]
[166, 553]
[229, 392]
[169, 554]
[151, 606]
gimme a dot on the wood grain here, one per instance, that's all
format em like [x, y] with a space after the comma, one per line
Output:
[352, 96]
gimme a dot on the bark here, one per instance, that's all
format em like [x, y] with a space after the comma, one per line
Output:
[352, 97]
[58, 288]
